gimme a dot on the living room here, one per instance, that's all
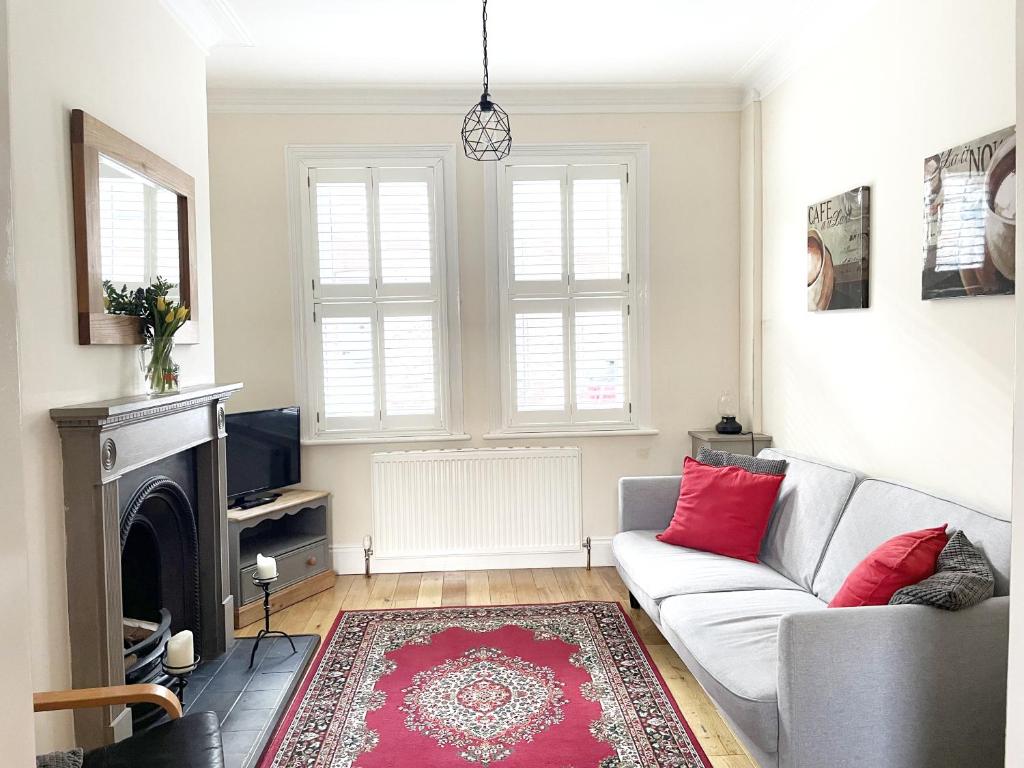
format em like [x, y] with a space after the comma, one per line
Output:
[466, 283]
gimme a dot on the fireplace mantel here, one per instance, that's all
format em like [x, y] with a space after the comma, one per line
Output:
[101, 442]
[124, 410]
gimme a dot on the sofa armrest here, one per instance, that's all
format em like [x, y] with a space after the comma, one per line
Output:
[902, 685]
[647, 503]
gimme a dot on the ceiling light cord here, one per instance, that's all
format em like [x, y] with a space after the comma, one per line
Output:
[486, 94]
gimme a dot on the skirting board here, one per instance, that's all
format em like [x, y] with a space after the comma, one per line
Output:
[349, 559]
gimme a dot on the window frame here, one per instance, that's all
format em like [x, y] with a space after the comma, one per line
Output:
[505, 421]
[301, 160]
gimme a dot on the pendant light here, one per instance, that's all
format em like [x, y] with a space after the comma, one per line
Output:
[486, 134]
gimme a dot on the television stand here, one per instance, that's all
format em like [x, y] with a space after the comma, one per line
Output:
[294, 528]
[254, 500]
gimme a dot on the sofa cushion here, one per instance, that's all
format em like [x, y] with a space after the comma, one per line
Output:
[71, 758]
[896, 563]
[810, 501]
[880, 510]
[193, 741]
[662, 570]
[732, 641]
[754, 464]
[963, 578]
[722, 509]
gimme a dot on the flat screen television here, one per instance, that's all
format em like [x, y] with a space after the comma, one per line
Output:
[263, 454]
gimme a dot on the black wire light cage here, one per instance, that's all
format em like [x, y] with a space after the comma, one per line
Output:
[486, 133]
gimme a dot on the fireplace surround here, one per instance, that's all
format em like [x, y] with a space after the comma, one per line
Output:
[144, 478]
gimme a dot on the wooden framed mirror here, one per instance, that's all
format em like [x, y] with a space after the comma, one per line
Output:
[134, 221]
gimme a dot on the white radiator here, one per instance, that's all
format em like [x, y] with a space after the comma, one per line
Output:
[486, 501]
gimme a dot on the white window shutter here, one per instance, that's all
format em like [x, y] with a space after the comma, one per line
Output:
[537, 237]
[598, 226]
[404, 221]
[377, 306]
[540, 354]
[342, 231]
[601, 359]
[411, 365]
[349, 363]
[567, 348]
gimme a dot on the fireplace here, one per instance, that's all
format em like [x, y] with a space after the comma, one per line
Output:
[159, 568]
[146, 531]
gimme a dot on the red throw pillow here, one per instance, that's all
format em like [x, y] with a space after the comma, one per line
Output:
[899, 562]
[722, 509]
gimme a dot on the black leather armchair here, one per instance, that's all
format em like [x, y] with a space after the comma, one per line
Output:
[192, 741]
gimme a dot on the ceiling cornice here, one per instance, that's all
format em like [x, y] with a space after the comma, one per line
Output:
[209, 22]
[780, 58]
[427, 99]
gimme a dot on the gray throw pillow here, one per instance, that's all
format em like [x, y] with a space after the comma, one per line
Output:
[750, 463]
[70, 759]
[962, 578]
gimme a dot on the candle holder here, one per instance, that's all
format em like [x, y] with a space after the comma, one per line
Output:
[181, 675]
[264, 584]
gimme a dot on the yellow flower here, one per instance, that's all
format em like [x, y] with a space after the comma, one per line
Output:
[161, 305]
[182, 313]
[170, 317]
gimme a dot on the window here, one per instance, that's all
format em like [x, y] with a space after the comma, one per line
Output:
[570, 314]
[378, 271]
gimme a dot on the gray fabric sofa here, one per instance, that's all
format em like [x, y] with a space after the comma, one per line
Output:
[804, 687]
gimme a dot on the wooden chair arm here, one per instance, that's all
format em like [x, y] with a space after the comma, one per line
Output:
[102, 697]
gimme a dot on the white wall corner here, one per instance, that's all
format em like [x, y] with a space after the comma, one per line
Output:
[209, 22]
[750, 287]
[814, 25]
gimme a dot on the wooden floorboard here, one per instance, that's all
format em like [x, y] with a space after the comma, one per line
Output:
[316, 615]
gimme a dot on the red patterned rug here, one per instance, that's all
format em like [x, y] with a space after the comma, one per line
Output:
[567, 685]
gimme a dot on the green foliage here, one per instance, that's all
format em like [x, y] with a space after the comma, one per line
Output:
[160, 316]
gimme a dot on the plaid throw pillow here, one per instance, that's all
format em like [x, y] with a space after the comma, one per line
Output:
[752, 464]
[72, 759]
[962, 578]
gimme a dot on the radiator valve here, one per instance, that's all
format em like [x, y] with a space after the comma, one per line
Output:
[367, 551]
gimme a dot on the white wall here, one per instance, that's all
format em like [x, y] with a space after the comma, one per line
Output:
[130, 65]
[694, 269]
[915, 390]
[16, 725]
[751, 264]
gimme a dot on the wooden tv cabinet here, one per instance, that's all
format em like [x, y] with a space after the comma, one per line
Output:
[296, 530]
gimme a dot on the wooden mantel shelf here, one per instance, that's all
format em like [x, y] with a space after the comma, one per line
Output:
[140, 407]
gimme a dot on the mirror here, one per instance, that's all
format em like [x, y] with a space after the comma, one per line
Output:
[134, 223]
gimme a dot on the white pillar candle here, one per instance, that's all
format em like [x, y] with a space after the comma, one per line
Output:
[266, 567]
[180, 650]
[366, 542]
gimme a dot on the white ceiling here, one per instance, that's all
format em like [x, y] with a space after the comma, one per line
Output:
[343, 43]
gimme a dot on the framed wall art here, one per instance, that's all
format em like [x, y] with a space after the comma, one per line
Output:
[837, 251]
[970, 205]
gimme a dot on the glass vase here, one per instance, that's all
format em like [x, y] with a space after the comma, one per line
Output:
[158, 366]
